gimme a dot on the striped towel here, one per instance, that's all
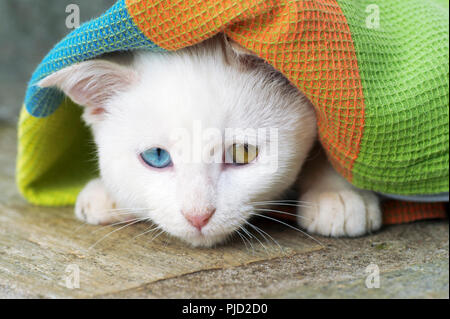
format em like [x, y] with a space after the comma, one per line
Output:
[377, 72]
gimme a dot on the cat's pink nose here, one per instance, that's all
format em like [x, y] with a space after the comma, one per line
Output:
[199, 219]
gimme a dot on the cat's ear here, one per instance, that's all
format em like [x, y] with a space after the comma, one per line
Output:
[243, 57]
[237, 48]
[91, 84]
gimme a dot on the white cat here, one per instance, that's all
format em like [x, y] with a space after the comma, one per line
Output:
[136, 104]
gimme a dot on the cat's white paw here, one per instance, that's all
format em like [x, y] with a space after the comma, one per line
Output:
[94, 204]
[340, 213]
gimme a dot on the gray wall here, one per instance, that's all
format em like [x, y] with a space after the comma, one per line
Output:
[28, 30]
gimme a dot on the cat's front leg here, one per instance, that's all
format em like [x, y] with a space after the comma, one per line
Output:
[95, 206]
[333, 207]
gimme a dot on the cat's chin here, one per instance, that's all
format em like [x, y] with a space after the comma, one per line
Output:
[205, 241]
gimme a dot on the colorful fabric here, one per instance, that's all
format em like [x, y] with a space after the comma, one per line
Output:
[379, 87]
[399, 212]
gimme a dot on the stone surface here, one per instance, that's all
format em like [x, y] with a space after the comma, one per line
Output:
[41, 247]
[412, 260]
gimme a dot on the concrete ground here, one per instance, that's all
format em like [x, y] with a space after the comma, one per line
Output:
[44, 251]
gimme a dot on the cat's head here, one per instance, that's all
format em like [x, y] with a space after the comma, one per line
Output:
[165, 127]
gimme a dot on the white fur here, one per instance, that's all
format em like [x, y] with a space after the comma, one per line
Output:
[335, 207]
[160, 93]
[94, 205]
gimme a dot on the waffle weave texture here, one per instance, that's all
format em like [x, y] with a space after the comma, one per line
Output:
[375, 71]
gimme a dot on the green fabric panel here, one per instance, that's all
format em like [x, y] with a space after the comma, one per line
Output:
[53, 168]
[403, 65]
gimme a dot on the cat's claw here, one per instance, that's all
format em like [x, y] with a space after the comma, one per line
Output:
[340, 213]
[94, 205]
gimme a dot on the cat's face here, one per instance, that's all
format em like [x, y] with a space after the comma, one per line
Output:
[165, 127]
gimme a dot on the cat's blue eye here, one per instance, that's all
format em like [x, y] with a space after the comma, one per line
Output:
[156, 157]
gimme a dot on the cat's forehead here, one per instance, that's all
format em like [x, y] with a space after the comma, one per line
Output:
[214, 98]
[177, 90]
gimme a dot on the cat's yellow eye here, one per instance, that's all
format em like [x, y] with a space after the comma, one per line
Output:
[243, 153]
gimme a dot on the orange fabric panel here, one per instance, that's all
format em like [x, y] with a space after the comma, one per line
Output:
[399, 212]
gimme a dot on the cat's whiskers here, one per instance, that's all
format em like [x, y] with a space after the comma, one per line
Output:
[116, 213]
[260, 242]
[119, 223]
[242, 238]
[281, 204]
[250, 236]
[255, 236]
[241, 227]
[149, 230]
[263, 234]
[157, 235]
[247, 239]
[293, 203]
[284, 201]
[269, 210]
[295, 215]
[122, 209]
[336, 239]
[127, 211]
[290, 226]
[245, 234]
[113, 231]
